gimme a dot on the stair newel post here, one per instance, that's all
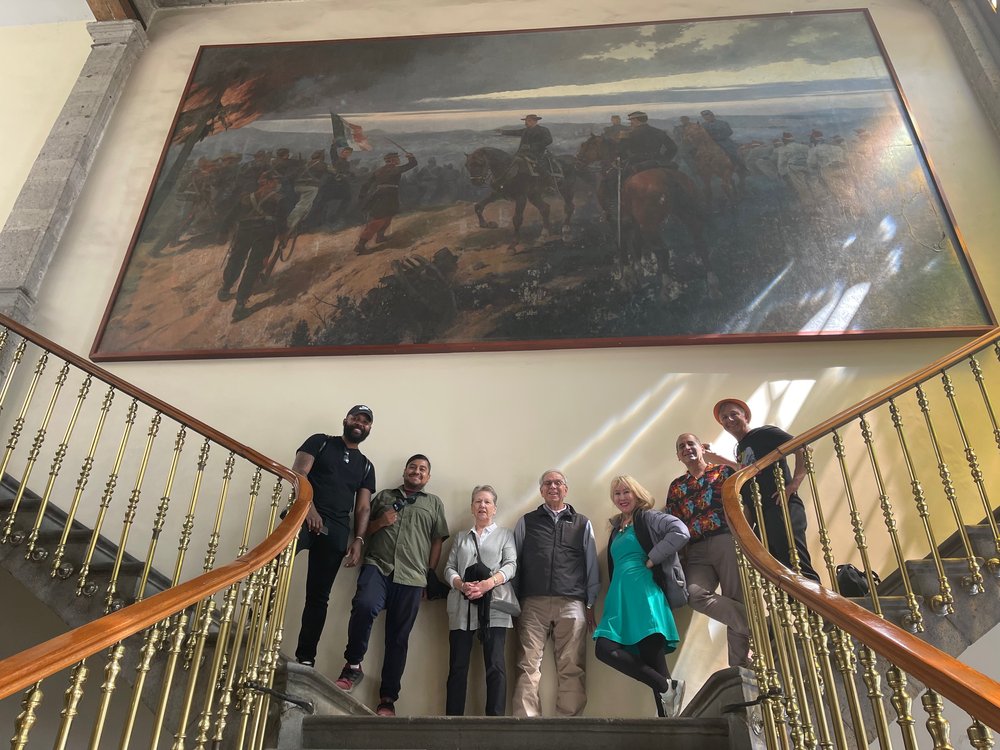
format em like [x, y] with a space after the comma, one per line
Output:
[980, 736]
[763, 661]
[992, 564]
[32, 551]
[857, 525]
[150, 644]
[188, 526]
[15, 436]
[914, 619]
[27, 718]
[65, 570]
[161, 512]
[111, 601]
[943, 602]
[977, 371]
[71, 703]
[33, 453]
[901, 703]
[111, 671]
[277, 620]
[173, 655]
[973, 582]
[937, 725]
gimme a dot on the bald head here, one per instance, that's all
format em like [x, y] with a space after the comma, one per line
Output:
[690, 451]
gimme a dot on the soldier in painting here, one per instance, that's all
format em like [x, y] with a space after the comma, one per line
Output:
[380, 198]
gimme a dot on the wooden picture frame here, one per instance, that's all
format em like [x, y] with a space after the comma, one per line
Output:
[799, 203]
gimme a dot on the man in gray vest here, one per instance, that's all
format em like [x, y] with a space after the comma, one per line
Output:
[558, 582]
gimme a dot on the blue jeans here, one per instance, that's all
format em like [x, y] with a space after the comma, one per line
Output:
[377, 592]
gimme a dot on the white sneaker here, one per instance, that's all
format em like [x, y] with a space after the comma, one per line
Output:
[672, 698]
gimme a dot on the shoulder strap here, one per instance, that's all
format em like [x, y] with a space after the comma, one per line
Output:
[475, 541]
[326, 439]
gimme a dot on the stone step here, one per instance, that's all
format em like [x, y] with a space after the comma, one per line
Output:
[508, 733]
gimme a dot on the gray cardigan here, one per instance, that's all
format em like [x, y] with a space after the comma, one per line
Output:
[499, 555]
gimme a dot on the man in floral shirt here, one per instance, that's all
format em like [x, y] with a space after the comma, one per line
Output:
[695, 497]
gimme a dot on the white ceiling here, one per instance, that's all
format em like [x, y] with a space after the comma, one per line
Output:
[28, 12]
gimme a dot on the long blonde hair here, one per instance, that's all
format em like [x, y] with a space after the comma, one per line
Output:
[643, 497]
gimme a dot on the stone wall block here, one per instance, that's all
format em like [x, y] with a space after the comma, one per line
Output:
[16, 249]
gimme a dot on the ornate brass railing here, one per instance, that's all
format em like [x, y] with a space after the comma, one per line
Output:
[896, 484]
[172, 646]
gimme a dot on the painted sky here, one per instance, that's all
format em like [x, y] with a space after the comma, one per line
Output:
[479, 81]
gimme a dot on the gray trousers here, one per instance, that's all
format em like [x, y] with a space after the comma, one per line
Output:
[711, 563]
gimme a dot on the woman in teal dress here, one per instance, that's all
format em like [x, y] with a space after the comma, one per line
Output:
[637, 629]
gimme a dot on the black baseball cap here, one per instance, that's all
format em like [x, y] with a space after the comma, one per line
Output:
[361, 409]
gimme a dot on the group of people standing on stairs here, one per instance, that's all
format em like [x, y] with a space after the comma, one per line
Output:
[541, 577]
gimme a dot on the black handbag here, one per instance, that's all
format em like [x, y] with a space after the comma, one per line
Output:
[853, 582]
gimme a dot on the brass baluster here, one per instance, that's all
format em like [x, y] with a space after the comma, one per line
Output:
[213, 542]
[83, 586]
[161, 512]
[272, 629]
[15, 361]
[943, 602]
[251, 661]
[873, 681]
[71, 703]
[111, 672]
[973, 582]
[992, 564]
[812, 673]
[226, 698]
[785, 656]
[59, 568]
[277, 633]
[847, 666]
[822, 649]
[272, 518]
[188, 525]
[27, 718]
[860, 541]
[150, 643]
[763, 661]
[32, 551]
[255, 483]
[937, 725]
[793, 552]
[111, 600]
[980, 736]
[173, 654]
[901, 704]
[200, 633]
[990, 519]
[824, 532]
[913, 620]
[33, 452]
[15, 436]
[212, 685]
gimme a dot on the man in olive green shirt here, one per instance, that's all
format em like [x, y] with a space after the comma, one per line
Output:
[403, 542]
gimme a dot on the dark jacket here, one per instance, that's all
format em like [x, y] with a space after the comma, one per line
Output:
[662, 536]
[552, 560]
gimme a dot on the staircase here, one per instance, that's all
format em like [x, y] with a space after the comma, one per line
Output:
[167, 642]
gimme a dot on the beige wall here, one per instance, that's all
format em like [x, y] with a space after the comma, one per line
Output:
[502, 417]
[40, 64]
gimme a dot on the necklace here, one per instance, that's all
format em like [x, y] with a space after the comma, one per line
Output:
[626, 522]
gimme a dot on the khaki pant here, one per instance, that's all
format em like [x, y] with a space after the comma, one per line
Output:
[711, 562]
[565, 620]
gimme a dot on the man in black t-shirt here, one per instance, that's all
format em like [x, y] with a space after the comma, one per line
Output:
[342, 480]
[734, 416]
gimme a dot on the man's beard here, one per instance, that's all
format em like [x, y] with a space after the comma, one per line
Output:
[349, 434]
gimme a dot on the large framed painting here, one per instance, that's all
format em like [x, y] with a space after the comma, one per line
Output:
[752, 178]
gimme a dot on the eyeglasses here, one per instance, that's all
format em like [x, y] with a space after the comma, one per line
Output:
[553, 483]
[347, 457]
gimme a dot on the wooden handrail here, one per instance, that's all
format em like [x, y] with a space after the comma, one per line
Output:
[967, 688]
[19, 671]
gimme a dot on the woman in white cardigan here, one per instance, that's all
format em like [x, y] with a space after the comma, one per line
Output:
[492, 546]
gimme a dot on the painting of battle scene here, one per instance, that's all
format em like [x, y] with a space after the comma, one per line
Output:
[751, 178]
